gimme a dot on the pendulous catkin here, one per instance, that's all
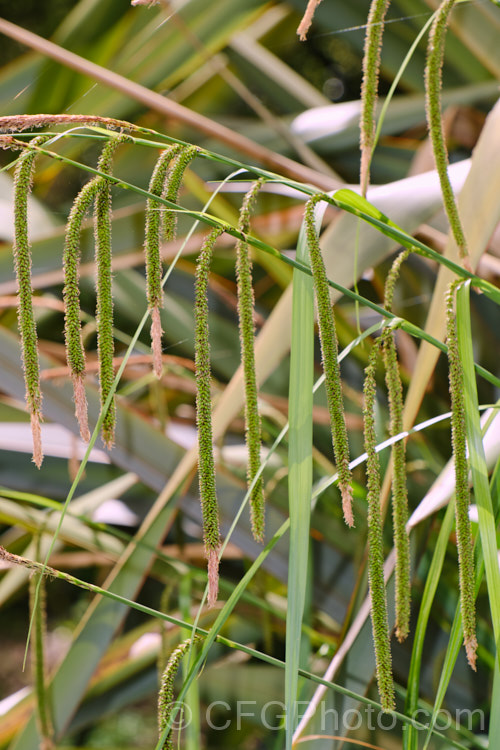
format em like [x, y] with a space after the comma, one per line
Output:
[166, 702]
[104, 309]
[160, 224]
[75, 354]
[247, 333]
[206, 462]
[462, 494]
[380, 622]
[23, 180]
[399, 489]
[369, 87]
[38, 660]
[433, 83]
[329, 352]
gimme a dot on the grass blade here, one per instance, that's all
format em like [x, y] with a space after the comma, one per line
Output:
[456, 633]
[477, 459]
[410, 736]
[300, 467]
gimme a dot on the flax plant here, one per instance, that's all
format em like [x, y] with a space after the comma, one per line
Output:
[399, 490]
[380, 621]
[329, 351]
[433, 85]
[23, 180]
[462, 494]
[206, 462]
[247, 333]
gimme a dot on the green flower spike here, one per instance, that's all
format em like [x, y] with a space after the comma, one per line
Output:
[380, 622]
[369, 88]
[175, 176]
[166, 696]
[155, 215]
[247, 333]
[104, 311]
[329, 351]
[23, 180]
[39, 637]
[75, 354]
[399, 490]
[433, 83]
[462, 495]
[206, 463]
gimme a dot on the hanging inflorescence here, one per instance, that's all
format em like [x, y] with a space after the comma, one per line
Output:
[433, 83]
[329, 353]
[161, 224]
[380, 624]
[38, 610]
[96, 193]
[206, 461]
[75, 354]
[161, 213]
[23, 180]
[462, 493]
[386, 344]
[399, 490]
[378, 597]
[166, 703]
[247, 332]
[369, 88]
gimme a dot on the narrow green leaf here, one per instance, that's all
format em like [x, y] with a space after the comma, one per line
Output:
[456, 633]
[477, 459]
[410, 735]
[300, 466]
